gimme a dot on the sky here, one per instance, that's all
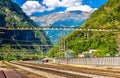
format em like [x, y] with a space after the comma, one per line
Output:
[43, 7]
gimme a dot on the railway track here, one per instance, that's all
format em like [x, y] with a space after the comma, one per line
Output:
[19, 70]
[91, 72]
[64, 71]
[55, 73]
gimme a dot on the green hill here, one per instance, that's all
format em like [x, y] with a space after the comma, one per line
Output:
[106, 43]
[107, 16]
[11, 15]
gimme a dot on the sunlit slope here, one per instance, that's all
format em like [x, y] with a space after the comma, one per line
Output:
[106, 43]
[107, 16]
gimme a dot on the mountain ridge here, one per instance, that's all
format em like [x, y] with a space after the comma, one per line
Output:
[50, 19]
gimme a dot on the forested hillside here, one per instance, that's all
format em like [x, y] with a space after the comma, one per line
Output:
[11, 15]
[106, 43]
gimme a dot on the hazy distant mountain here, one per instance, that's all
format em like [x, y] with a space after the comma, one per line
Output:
[71, 18]
[66, 18]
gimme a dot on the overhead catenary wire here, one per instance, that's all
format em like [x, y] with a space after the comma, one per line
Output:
[61, 28]
[19, 40]
[28, 45]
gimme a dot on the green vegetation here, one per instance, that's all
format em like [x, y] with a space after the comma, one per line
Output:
[107, 17]
[8, 53]
[11, 15]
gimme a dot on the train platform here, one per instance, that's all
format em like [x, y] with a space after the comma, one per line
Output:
[6, 72]
[10, 73]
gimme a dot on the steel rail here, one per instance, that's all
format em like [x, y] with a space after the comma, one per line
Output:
[73, 74]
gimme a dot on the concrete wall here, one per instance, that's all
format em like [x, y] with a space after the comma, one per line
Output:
[112, 61]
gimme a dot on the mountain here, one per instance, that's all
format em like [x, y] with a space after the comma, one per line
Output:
[106, 17]
[57, 19]
[11, 15]
[70, 18]
[106, 43]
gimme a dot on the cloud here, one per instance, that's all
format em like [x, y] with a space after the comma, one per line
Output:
[30, 7]
[70, 5]
[52, 4]
[85, 8]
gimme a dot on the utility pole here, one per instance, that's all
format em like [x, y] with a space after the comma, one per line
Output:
[61, 45]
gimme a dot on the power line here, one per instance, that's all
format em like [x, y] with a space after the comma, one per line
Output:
[2, 32]
[19, 40]
[61, 28]
[27, 45]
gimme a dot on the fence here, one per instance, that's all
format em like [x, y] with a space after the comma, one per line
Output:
[112, 61]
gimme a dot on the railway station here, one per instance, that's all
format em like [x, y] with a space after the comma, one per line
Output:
[59, 38]
[68, 67]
